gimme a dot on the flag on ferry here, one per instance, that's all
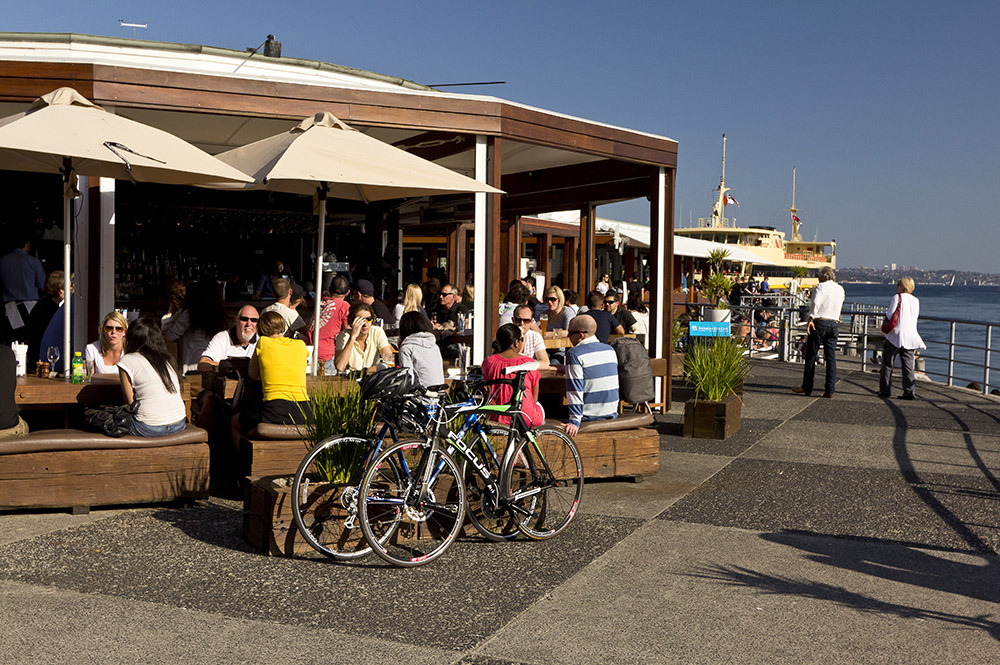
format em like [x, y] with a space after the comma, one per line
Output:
[796, 218]
[730, 199]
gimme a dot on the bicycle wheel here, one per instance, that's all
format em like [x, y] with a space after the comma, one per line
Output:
[406, 523]
[484, 507]
[543, 482]
[324, 508]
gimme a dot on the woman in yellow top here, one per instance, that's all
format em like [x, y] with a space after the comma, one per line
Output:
[280, 364]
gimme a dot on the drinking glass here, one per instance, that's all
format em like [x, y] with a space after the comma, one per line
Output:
[53, 355]
[543, 322]
[88, 369]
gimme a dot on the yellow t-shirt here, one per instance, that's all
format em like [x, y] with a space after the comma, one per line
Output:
[283, 368]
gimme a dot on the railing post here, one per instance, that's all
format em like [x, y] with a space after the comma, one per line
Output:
[986, 364]
[951, 356]
[864, 343]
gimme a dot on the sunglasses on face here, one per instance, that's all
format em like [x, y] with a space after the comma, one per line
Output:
[109, 329]
[366, 319]
[251, 319]
[521, 321]
[609, 302]
[575, 332]
[449, 293]
[552, 299]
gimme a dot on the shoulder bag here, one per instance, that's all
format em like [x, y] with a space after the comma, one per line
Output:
[890, 323]
[111, 420]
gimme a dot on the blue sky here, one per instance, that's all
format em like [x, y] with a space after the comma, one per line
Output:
[889, 110]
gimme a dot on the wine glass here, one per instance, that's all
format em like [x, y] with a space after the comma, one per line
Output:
[53, 355]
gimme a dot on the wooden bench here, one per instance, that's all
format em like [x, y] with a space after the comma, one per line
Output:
[623, 447]
[271, 450]
[68, 468]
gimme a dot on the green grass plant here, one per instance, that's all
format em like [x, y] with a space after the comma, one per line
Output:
[337, 409]
[716, 368]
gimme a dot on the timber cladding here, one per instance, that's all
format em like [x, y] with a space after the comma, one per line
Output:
[127, 87]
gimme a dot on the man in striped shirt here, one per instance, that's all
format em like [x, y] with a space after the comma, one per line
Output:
[591, 376]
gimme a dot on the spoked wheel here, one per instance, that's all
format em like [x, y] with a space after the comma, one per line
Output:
[406, 523]
[324, 507]
[486, 509]
[543, 481]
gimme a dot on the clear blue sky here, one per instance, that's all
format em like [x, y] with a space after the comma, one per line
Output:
[888, 109]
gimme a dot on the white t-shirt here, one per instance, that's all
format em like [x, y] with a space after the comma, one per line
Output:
[156, 405]
[221, 346]
[93, 352]
[532, 342]
[289, 314]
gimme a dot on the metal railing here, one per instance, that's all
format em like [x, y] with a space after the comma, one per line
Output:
[863, 334]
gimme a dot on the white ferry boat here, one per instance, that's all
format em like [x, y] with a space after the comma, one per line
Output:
[764, 241]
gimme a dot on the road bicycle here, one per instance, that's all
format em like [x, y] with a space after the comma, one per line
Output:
[412, 500]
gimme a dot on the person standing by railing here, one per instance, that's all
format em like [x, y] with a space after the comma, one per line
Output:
[903, 339]
[823, 328]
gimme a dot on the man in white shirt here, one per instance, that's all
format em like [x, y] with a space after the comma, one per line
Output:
[282, 290]
[534, 345]
[237, 342]
[824, 322]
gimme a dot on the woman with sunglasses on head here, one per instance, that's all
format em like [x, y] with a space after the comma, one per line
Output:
[363, 344]
[149, 376]
[506, 352]
[104, 354]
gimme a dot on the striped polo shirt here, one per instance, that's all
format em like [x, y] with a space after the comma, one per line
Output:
[591, 381]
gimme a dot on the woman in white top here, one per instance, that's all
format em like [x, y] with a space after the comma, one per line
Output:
[362, 345]
[104, 354]
[148, 376]
[903, 339]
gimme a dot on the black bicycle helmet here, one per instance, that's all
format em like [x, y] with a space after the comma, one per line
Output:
[390, 382]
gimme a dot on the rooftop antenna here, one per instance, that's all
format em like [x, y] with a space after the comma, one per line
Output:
[123, 24]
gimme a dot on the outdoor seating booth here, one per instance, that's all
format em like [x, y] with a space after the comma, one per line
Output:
[219, 99]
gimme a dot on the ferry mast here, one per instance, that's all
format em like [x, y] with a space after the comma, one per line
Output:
[796, 236]
[718, 210]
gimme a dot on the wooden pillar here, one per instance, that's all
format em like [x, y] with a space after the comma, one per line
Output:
[457, 243]
[392, 252]
[571, 264]
[98, 277]
[510, 252]
[542, 264]
[588, 221]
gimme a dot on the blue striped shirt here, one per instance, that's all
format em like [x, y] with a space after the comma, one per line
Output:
[591, 381]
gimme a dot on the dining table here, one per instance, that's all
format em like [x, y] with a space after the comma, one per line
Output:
[38, 393]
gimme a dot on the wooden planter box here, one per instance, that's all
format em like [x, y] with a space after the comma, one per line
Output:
[706, 419]
[269, 525]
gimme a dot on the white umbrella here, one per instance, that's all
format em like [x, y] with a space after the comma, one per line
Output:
[324, 156]
[64, 132]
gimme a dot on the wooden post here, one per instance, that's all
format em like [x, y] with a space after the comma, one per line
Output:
[586, 268]
[542, 244]
[374, 225]
[571, 263]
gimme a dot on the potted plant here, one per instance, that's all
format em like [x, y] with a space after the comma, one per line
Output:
[715, 369]
[716, 289]
[268, 524]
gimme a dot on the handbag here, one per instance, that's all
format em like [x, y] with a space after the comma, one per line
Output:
[889, 323]
[111, 420]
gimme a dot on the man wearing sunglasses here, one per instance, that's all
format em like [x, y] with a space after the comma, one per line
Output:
[237, 342]
[613, 304]
[534, 345]
[448, 309]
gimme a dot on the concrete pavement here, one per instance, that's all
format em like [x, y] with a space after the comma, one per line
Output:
[852, 530]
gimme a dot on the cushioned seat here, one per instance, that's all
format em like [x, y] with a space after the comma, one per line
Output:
[74, 439]
[622, 422]
[277, 432]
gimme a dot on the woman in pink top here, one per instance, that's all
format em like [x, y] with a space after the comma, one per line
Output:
[507, 352]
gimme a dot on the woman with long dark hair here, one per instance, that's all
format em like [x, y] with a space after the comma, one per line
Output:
[149, 376]
[507, 352]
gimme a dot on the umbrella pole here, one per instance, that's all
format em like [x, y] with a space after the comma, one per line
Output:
[321, 191]
[67, 264]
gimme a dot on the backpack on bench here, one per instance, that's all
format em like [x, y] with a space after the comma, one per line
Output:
[635, 372]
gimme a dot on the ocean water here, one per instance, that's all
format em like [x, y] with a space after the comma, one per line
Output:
[966, 303]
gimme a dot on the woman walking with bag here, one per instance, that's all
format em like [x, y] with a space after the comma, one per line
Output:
[902, 339]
